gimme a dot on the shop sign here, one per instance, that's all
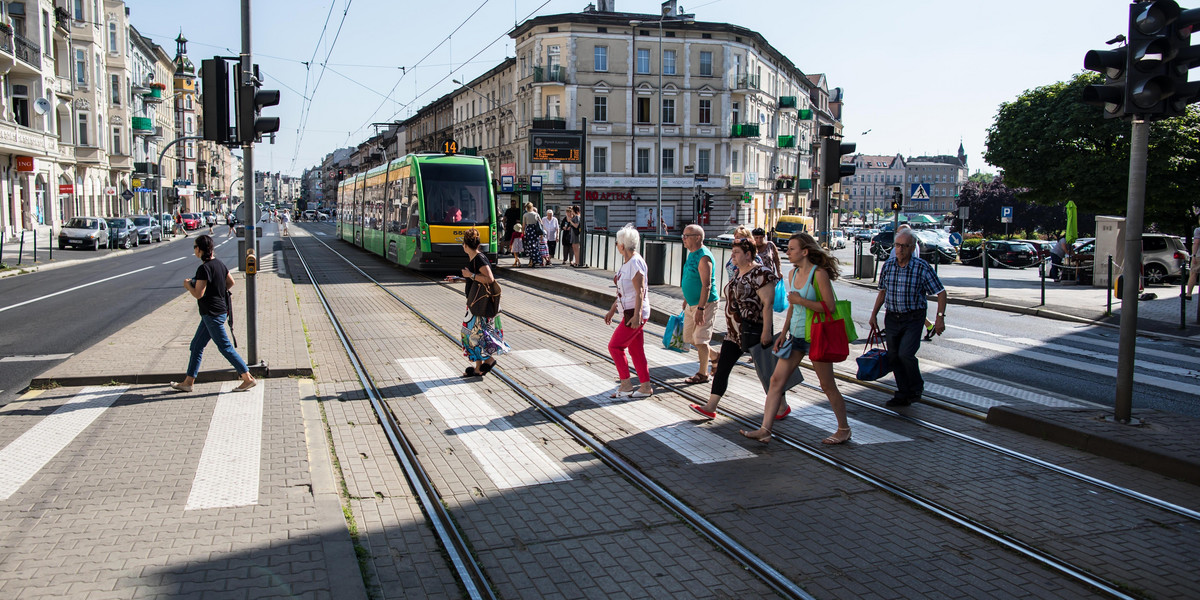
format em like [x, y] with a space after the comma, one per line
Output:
[66, 188]
[25, 163]
[110, 191]
[591, 195]
[737, 179]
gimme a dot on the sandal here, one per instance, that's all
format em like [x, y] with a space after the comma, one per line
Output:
[762, 439]
[470, 372]
[697, 378]
[622, 394]
[833, 441]
[244, 386]
[179, 387]
[486, 368]
[639, 395]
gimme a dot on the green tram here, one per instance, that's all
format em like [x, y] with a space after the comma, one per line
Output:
[414, 210]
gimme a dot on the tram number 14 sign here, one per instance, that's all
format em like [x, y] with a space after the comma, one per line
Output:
[556, 146]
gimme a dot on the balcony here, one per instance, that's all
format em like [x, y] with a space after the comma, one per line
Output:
[62, 87]
[744, 82]
[744, 130]
[142, 126]
[145, 168]
[17, 139]
[551, 74]
[154, 96]
[89, 155]
[120, 162]
[787, 102]
[28, 52]
[787, 141]
[6, 48]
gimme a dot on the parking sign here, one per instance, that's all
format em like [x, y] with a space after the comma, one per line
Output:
[1006, 214]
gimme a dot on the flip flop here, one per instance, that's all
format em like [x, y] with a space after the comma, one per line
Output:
[636, 395]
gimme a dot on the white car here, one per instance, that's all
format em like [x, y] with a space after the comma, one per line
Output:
[837, 239]
[85, 232]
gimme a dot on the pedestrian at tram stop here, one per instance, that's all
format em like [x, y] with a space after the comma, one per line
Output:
[575, 222]
[210, 287]
[633, 305]
[904, 282]
[568, 237]
[749, 298]
[699, 298]
[810, 290]
[517, 245]
[512, 216]
[1059, 252]
[482, 336]
[767, 252]
[740, 233]
[550, 227]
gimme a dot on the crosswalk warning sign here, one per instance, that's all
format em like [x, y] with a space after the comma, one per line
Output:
[920, 192]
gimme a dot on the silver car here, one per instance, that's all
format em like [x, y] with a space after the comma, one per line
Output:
[85, 232]
[1163, 257]
[147, 227]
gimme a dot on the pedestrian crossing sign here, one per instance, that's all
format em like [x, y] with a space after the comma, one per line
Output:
[920, 192]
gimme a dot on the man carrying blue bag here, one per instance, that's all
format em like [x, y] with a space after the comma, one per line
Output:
[873, 363]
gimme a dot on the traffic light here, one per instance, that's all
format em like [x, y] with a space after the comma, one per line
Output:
[250, 124]
[1150, 49]
[832, 169]
[1111, 94]
[341, 174]
[214, 77]
[897, 199]
[706, 201]
[1184, 56]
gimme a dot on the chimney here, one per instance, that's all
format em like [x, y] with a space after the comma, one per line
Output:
[670, 8]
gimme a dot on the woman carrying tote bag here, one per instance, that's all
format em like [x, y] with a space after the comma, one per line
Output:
[482, 335]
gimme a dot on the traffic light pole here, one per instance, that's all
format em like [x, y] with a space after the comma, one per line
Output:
[251, 212]
[1132, 269]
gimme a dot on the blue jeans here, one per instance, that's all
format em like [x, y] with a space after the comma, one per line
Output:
[903, 332]
[213, 328]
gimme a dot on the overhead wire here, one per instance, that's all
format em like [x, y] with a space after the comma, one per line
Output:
[317, 85]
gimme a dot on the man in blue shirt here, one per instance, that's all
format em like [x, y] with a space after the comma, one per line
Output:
[904, 282]
[699, 297]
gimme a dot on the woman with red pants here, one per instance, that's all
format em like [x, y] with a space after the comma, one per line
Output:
[634, 306]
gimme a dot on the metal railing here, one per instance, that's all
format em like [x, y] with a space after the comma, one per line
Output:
[28, 51]
[602, 254]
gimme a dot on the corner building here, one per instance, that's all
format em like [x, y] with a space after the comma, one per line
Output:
[738, 119]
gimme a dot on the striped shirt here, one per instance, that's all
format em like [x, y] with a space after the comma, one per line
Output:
[907, 286]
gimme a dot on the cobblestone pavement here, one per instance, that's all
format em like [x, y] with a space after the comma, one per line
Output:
[832, 533]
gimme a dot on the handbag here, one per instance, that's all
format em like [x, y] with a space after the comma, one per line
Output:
[483, 299]
[785, 350]
[873, 363]
[750, 335]
[764, 366]
[780, 297]
[673, 336]
[841, 310]
[829, 343]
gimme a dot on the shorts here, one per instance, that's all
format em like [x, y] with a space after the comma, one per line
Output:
[799, 345]
[699, 333]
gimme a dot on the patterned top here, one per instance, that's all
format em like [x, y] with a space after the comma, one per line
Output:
[742, 304]
[769, 256]
[907, 286]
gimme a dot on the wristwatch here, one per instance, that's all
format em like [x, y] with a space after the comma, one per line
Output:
[941, 314]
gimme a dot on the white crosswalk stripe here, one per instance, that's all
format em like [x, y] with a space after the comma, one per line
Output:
[1062, 362]
[812, 412]
[932, 368]
[1106, 356]
[26, 455]
[228, 472]
[508, 458]
[675, 431]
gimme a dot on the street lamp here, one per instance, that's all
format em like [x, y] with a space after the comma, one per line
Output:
[686, 19]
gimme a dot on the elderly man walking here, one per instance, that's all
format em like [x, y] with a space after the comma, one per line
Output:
[699, 298]
[904, 282]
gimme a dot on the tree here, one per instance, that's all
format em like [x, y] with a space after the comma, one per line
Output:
[984, 201]
[981, 177]
[1055, 148]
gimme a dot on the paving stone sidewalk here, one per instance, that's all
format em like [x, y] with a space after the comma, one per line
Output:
[1076, 428]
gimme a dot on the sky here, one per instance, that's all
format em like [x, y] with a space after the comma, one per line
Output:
[918, 77]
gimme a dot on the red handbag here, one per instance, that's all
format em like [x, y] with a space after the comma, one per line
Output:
[829, 342]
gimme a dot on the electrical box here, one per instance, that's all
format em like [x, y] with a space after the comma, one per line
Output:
[1110, 241]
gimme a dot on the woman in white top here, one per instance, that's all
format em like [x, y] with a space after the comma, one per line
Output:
[634, 306]
[550, 226]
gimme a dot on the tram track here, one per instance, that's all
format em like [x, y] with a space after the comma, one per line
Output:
[449, 535]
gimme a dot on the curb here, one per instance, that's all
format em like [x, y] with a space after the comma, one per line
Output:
[58, 264]
[258, 371]
[1170, 465]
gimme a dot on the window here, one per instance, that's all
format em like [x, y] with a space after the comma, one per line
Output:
[187, 101]
[643, 110]
[552, 56]
[643, 61]
[80, 66]
[83, 129]
[601, 109]
[736, 112]
[78, 10]
[116, 140]
[599, 160]
[113, 48]
[601, 58]
[188, 129]
[20, 104]
[706, 112]
[703, 160]
[191, 153]
[46, 43]
[706, 64]
[734, 166]
[115, 89]
[668, 62]
[668, 160]
[668, 110]
[643, 161]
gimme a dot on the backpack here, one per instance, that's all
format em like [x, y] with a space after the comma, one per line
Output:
[483, 299]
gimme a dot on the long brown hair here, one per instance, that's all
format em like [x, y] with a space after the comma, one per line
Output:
[817, 255]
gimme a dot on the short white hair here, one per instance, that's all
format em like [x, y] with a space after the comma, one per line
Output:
[628, 237]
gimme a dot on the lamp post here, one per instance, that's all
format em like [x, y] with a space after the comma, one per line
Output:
[686, 19]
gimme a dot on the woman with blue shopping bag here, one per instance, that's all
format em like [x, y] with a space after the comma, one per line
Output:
[811, 277]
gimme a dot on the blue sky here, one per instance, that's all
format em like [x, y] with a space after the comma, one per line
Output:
[918, 76]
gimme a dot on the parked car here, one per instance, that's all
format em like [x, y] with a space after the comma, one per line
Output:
[837, 239]
[122, 233]
[866, 234]
[85, 232]
[1011, 253]
[147, 228]
[191, 221]
[935, 245]
[881, 244]
[1163, 256]
[1042, 246]
[166, 222]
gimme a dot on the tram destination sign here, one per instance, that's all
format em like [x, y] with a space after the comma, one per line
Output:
[556, 146]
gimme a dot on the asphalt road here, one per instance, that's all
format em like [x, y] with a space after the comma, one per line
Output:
[48, 315]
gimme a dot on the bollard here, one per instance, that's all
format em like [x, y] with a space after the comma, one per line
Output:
[21, 249]
[1182, 300]
[1108, 307]
[35, 245]
[987, 290]
[50, 245]
[1042, 277]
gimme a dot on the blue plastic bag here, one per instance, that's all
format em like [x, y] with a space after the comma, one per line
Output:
[673, 336]
[780, 297]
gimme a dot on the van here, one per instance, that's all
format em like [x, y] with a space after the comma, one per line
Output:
[789, 224]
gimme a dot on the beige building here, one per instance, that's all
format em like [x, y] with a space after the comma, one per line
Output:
[873, 183]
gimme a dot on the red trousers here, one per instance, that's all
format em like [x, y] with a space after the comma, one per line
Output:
[623, 338]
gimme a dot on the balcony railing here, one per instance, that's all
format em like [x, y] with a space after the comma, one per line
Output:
[787, 141]
[745, 82]
[28, 51]
[744, 130]
[142, 125]
[787, 102]
[554, 73]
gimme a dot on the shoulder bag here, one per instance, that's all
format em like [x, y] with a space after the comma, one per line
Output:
[873, 363]
[483, 299]
[829, 343]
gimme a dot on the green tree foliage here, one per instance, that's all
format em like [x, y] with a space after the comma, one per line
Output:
[1054, 148]
[984, 201]
[981, 177]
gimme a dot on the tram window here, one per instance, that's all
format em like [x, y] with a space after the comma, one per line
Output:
[455, 194]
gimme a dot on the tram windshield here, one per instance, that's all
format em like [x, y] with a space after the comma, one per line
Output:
[455, 194]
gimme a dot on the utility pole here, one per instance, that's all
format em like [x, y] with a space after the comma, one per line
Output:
[1132, 270]
[246, 83]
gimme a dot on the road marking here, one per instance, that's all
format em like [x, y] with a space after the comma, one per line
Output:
[321, 233]
[176, 260]
[36, 357]
[810, 411]
[228, 471]
[78, 287]
[1062, 362]
[1086, 339]
[696, 444]
[953, 374]
[26, 455]
[509, 459]
[1071, 350]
